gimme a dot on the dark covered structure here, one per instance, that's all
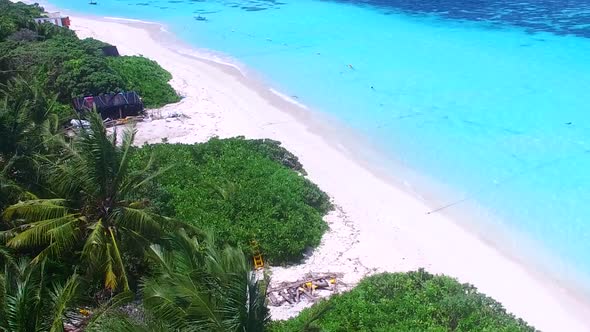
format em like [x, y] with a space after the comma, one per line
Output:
[112, 105]
[110, 50]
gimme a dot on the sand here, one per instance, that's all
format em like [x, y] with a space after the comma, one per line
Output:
[377, 225]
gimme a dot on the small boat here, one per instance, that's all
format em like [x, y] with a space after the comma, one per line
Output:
[200, 18]
[93, 3]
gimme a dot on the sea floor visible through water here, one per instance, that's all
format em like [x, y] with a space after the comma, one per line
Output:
[488, 101]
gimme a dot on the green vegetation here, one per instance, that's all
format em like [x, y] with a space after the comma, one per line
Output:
[97, 235]
[92, 222]
[69, 67]
[145, 77]
[241, 191]
[15, 16]
[413, 301]
[92, 213]
[24, 290]
[190, 272]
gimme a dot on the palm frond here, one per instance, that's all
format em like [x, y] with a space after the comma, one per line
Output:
[100, 155]
[66, 234]
[116, 254]
[152, 176]
[5, 236]
[122, 171]
[137, 180]
[36, 209]
[94, 250]
[122, 323]
[23, 298]
[3, 322]
[137, 220]
[69, 177]
[110, 278]
[161, 258]
[62, 296]
[161, 301]
[53, 250]
[116, 302]
[59, 230]
[6, 258]
[188, 256]
[208, 289]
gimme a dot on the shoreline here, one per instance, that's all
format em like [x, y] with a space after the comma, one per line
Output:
[374, 210]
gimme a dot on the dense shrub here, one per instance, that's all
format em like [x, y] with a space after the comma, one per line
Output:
[73, 67]
[70, 67]
[146, 77]
[87, 75]
[413, 301]
[235, 188]
[24, 35]
[14, 16]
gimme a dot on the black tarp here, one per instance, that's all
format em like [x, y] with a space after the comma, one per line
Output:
[112, 105]
[110, 50]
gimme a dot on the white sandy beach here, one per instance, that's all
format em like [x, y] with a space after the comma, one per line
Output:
[377, 226]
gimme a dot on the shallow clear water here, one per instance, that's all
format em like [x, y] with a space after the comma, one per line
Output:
[489, 98]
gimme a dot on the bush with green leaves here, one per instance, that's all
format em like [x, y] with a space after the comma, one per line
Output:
[70, 67]
[240, 190]
[412, 301]
[15, 16]
[145, 77]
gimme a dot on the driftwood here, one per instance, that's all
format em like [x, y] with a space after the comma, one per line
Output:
[273, 299]
[304, 281]
[285, 295]
[76, 320]
[294, 292]
[117, 122]
[306, 293]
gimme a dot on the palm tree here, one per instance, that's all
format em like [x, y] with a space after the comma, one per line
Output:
[198, 287]
[26, 111]
[10, 192]
[26, 301]
[96, 217]
[27, 117]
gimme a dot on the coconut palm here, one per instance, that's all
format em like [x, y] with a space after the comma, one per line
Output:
[29, 303]
[26, 112]
[27, 117]
[9, 190]
[198, 287]
[96, 217]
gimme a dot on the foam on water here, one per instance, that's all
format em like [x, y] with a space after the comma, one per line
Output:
[485, 98]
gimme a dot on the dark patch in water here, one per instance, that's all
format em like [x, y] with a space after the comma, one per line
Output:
[253, 9]
[562, 17]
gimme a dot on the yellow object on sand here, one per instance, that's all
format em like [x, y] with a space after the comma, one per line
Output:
[258, 261]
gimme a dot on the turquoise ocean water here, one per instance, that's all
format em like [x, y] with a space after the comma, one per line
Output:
[488, 98]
